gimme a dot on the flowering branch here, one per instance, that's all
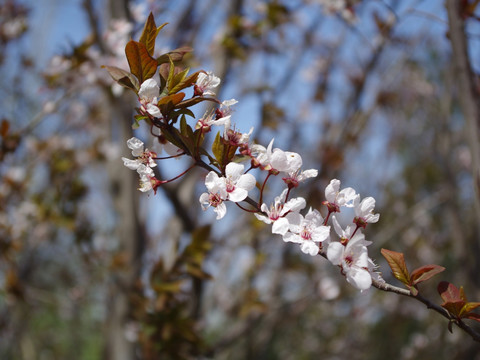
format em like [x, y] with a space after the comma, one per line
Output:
[164, 109]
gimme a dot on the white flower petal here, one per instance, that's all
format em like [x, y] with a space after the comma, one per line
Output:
[234, 170]
[131, 164]
[148, 90]
[221, 210]
[280, 226]
[335, 253]
[291, 237]
[309, 247]
[136, 145]
[358, 277]
[246, 181]
[237, 195]
[154, 110]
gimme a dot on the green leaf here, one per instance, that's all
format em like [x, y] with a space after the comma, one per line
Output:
[149, 34]
[123, 77]
[218, 149]
[185, 82]
[413, 290]
[173, 138]
[177, 78]
[396, 262]
[424, 273]
[142, 65]
[171, 73]
[137, 119]
[167, 287]
[187, 112]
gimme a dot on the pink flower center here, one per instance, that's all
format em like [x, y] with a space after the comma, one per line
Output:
[306, 234]
[215, 200]
[230, 185]
[349, 260]
[275, 212]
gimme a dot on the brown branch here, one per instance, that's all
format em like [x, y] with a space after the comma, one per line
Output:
[384, 286]
[430, 305]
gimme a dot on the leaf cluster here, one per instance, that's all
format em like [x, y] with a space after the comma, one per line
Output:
[456, 303]
[400, 271]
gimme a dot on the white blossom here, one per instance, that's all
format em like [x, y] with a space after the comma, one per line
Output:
[143, 156]
[216, 195]
[337, 197]
[364, 211]
[353, 259]
[148, 96]
[206, 82]
[237, 183]
[277, 211]
[342, 234]
[209, 119]
[276, 160]
[307, 231]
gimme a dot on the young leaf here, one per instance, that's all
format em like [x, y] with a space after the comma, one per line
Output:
[137, 119]
[149, 34]
[396, 262]
[185, 83]
[454, 307]
[177, 79]
[218, 148]
[424, 273]
[142, 65]
[171, 74]
[413, 290]
[123, 77]
[195, 100]
[473, 316]
[174, 55]
[173, 138]
[469, 306]
[448, 292]
[174, 99]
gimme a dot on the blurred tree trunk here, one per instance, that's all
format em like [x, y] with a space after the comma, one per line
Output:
[129, 230]
[468, 93]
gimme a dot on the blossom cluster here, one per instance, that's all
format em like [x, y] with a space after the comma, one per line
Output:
[231, 182]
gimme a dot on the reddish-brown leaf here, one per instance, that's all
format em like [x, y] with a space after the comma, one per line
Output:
[175, 55]
[396, 262]
[449, 292]
[193, 101]
[473, 316]
[149, 34]
[142, 65]
[175, 99]
[454, 307]
[424, 273]
[123, 77]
